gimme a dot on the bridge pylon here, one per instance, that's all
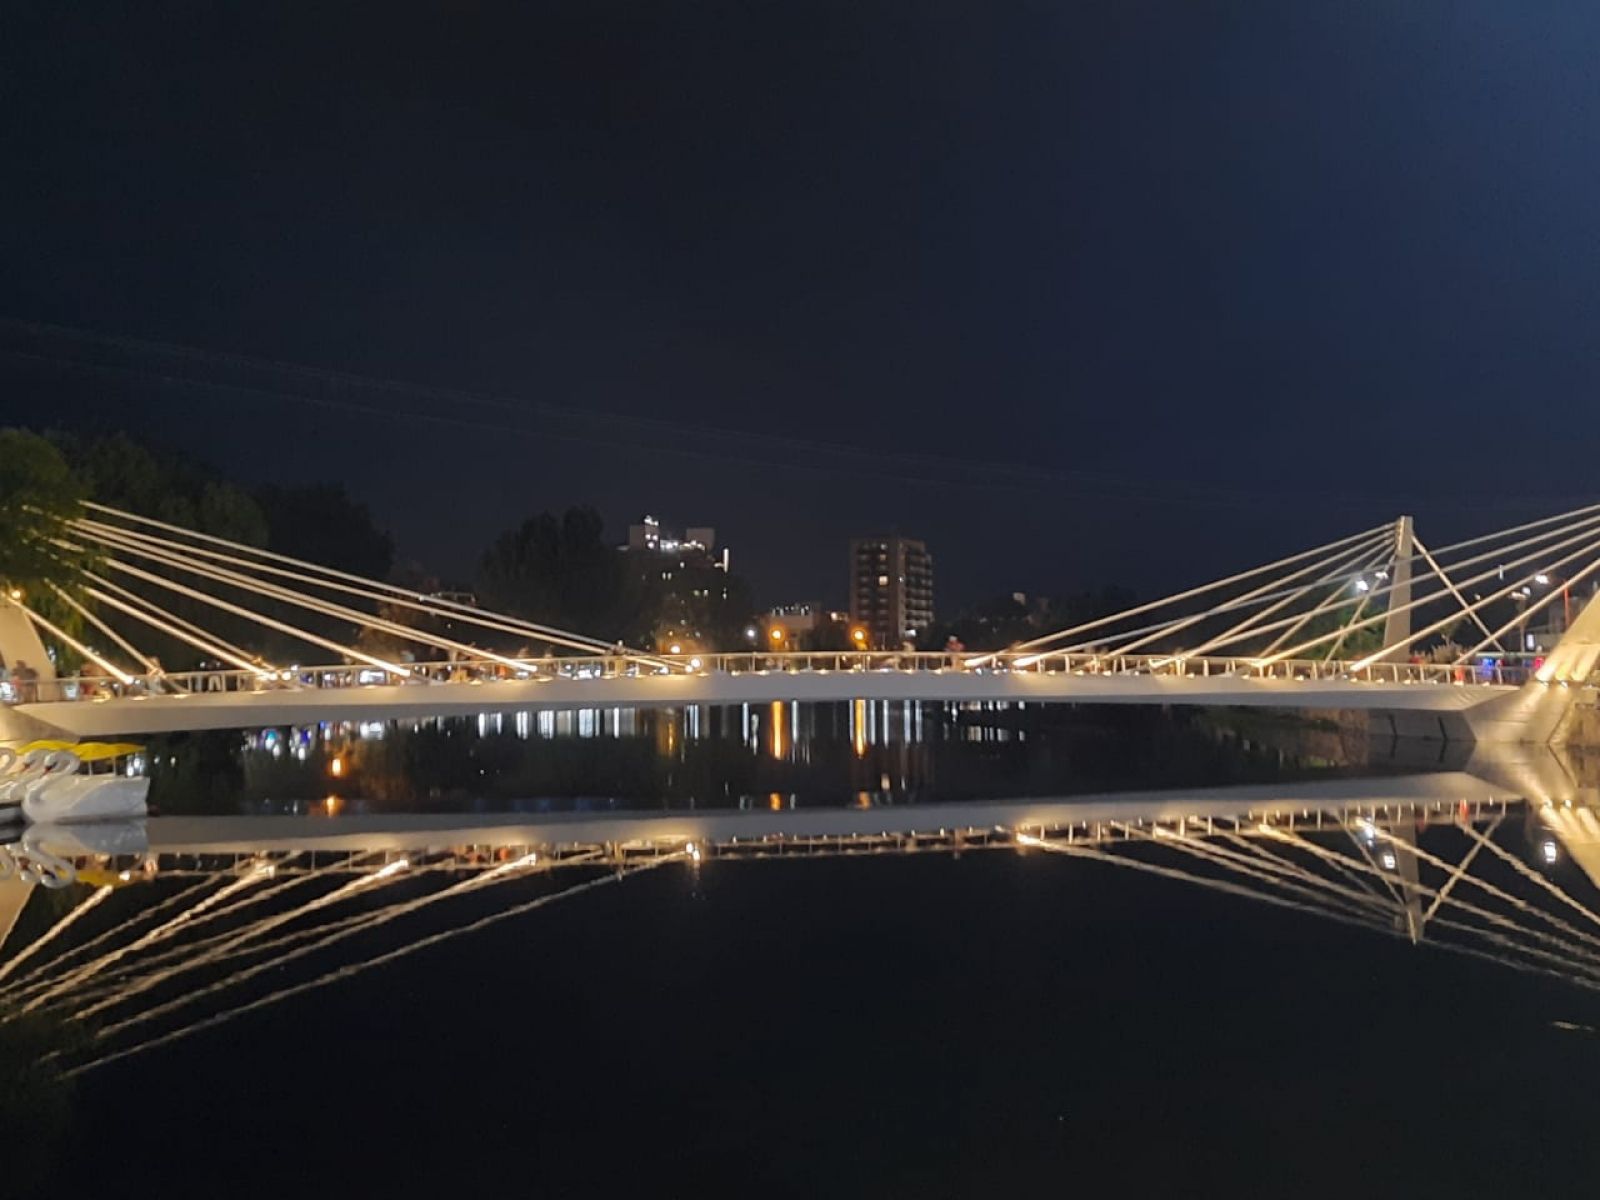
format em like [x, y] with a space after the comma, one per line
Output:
[1397, 626]
[19, 641]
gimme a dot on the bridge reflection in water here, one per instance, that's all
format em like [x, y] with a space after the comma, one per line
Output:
[144, 933]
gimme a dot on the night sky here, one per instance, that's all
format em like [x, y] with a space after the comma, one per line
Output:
[1078, 292]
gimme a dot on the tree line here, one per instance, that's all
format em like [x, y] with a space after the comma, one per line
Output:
[556, 569]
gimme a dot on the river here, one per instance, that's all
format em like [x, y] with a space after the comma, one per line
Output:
[1132, 999]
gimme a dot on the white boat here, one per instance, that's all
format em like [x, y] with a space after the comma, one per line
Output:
[56, 782]
[30, 768]
[59, 766]
[8, 764]
[67, 795]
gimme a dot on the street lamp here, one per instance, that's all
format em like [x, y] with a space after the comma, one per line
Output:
[1552, 579]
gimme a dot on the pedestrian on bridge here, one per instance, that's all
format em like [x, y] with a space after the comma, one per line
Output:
[25, 680]
[89, 679]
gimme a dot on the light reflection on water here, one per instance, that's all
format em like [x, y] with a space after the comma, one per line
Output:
[158, 929]
[739, 756]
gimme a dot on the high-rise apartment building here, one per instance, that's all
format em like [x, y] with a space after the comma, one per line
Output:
[891, 589]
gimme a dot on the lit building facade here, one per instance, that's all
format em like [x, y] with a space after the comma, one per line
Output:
[694, 547]
[891, 589]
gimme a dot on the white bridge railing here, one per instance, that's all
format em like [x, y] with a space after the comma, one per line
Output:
[488, 672]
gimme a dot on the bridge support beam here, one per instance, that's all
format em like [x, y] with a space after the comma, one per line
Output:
[19, 641]
[19, 727]
[1397, 627]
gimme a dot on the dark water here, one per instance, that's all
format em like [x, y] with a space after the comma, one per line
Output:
[974, 1025]
[747, 756]
[981, 1027]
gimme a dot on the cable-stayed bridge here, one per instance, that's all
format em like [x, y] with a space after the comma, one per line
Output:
[1375, 620]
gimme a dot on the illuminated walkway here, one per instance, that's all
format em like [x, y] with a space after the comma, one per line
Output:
[763, 679]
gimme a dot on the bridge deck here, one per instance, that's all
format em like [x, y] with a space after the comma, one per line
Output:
[150, 714]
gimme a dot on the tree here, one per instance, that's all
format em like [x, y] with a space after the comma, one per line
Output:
[1090, 604]
[560, 571]
[122, 473]
[125, 474]
[831, 635]
[709, 606]
[990, 625]
[39, 498]
[321, 523]
[227, 511]
[1357, 643]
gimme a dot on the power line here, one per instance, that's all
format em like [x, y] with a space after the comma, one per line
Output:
[898, 466]
[1021, 478]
